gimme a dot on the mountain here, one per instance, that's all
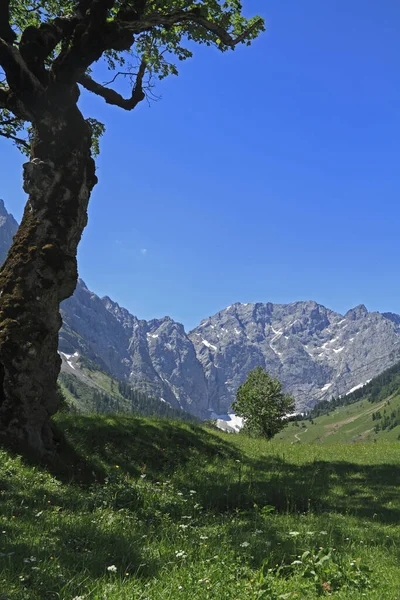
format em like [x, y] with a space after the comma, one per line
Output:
[315, 352]
[156, 356]
[8, 227]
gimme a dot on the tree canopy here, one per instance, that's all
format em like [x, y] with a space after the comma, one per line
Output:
[47, 41]
[262, 404]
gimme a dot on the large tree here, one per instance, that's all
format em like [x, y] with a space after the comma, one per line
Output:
[47, 52]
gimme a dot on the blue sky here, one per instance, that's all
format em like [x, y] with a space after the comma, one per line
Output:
[266, 174]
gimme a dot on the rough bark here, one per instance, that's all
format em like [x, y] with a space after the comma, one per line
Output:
[41, 271]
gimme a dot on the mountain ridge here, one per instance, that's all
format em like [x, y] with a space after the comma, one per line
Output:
[316, 352]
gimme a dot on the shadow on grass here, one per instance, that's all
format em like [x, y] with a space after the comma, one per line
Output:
[365, 491]
[89, 447]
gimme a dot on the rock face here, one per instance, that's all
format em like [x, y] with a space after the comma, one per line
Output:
[8, 227]
[314, 351]
[156, 356]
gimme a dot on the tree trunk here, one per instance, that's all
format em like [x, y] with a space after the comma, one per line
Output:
[40, 271]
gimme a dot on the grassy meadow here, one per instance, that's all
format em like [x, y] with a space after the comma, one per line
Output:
[346, 424]
[146, 509]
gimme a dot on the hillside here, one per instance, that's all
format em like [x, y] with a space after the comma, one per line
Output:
[140, 508]
[361, 421]
[90, 391]
[370, 413]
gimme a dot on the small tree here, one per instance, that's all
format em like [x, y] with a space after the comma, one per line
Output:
[262, 404]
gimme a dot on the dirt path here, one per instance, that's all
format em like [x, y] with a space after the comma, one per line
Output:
[334, 427]
[296, 435]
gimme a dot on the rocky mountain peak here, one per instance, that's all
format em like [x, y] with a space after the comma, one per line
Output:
[8, 228]
[358, 312]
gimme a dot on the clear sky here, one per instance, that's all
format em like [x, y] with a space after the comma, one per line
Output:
[271, 173]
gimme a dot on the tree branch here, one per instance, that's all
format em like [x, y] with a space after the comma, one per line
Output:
[19, 77]
[6, 31]
[15, 139]
[111, 96]
[182, 16]
[3, 98]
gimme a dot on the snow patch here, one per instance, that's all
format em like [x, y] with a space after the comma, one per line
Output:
[68, 358]
[326, 387]
[230, 422]
[338, 350]
[274, 350]
[152, 335]
[237, 331]
[357, 387]
[209, 345]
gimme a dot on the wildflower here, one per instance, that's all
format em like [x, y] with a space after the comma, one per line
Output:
[112, 569]
[192, 492]
[180, 494]
[117, 466]
[78, 598]
[323, 532]
[183, 526]
[326, 586]
[244, 545]
[294, 533]
[180, 554]
[204, 537]
[186, 517]
[143, 476]
[180, 587]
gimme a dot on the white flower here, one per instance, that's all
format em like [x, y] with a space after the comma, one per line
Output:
[245, 545]
[78, 598]
[323, 532]
[180, 587]
[186, 517]
[294, 533]
[180, 554]
[204, 537]
[183, 526]
[143, 476]
[192, 492]
[112, 569]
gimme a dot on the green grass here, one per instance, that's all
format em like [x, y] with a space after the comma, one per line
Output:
[154, 509]
[346, 424]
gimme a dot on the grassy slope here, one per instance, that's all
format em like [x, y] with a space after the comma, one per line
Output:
[351, 423]
[86, 381]
[184, 512]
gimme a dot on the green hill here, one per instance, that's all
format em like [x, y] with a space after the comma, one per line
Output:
[370, 413]
[149, 509]
[91, 391]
